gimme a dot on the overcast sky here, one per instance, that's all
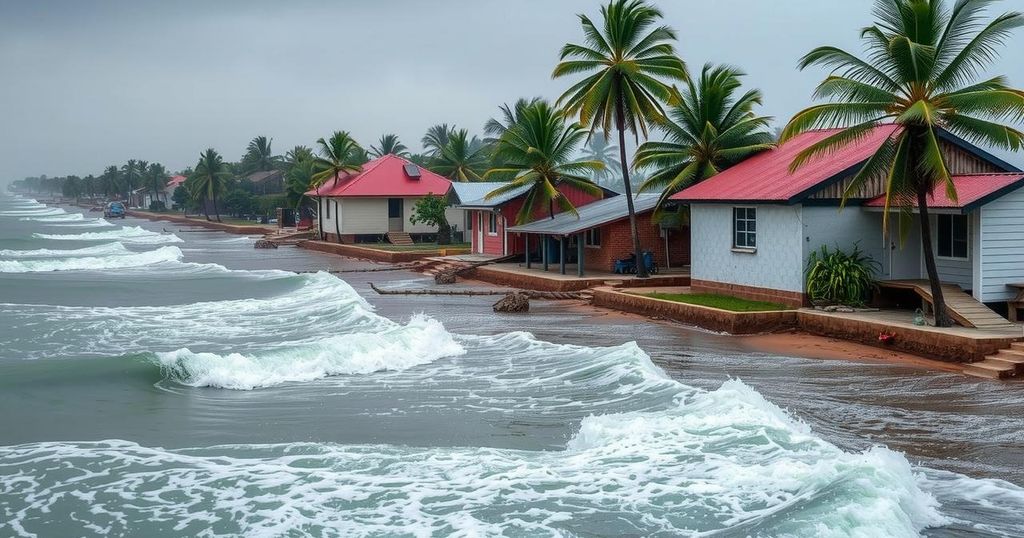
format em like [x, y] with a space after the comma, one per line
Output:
[87, 84]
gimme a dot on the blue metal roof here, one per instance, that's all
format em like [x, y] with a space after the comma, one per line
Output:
[474, 195]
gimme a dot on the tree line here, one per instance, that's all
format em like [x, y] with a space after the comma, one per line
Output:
[923, 71]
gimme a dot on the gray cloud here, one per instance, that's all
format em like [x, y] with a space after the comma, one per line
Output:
[87, 84]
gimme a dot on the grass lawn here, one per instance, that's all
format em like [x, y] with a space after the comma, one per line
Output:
[724, 302]
[412, 248]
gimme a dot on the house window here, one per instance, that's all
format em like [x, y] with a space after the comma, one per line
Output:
[952, 236]
[327, 205]
[469, 221]
[492, 224]
[592, 237]
[744, 227]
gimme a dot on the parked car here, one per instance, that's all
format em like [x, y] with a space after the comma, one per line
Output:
[114, 210]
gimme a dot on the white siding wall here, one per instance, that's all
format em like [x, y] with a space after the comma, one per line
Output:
[364, 216]
[778, 262]
[328, 223]
[827, 225]
[1002, 246]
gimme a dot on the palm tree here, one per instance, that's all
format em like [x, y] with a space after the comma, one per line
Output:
[340, 154]
[710, 130]
[210, 179]
[921, 74]
[624, 88]
[461, 159]
[510, 115]
[259, 157]
[389, 145]
[131, 176]
[598, 148]
[156, 179]
[297, 180]
[111, 180]
[538, 150]
[436, 139]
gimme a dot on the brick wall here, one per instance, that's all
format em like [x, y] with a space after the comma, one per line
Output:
[617, 243]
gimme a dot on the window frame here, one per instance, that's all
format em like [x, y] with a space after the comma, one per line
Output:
[590, 235]
[492, 223]
[327, 207]
[952, 239]
[747, 247]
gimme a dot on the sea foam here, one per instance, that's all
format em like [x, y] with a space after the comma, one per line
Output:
[131, 234]
[85, 263]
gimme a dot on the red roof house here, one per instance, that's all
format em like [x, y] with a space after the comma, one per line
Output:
[378, 201]
[754, 225]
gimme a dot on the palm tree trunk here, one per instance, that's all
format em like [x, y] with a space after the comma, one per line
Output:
[320, 218]
[206, 209]
[620, 124]
[337, 221]
[215, 210]
[938, 301]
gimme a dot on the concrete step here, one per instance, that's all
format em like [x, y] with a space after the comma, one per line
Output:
[990, 369]
[1017, 346]
[1016, 367]
[1012, 353]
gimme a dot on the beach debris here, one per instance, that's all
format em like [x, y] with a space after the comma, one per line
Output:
[445, 277]
[886, 338]
[513, 302]
[263, 243]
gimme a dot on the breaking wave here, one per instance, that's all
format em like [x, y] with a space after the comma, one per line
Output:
[85, 263]
[721, 462]
[395, 348]
[131, 234]
[108, 249]
[66, 217]
[42, 211]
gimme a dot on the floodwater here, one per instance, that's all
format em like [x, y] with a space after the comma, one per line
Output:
[157, 380]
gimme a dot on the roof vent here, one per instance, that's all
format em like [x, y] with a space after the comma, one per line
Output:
[412, 171]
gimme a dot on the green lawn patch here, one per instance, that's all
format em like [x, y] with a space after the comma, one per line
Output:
[723, 302]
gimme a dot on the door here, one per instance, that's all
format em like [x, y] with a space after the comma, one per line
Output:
[396, 210]
[480, 232]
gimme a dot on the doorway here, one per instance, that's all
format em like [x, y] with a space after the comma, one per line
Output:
[396, 210]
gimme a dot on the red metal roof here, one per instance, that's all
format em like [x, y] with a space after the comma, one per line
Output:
[765, 177]
[384, 176]
[971, 191]
[176, 180]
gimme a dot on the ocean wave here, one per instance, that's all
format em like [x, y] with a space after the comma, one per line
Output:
[723, 462]
[85, 263]
[43, 211]
[87, 223]
[396, 348]
[107, 249]
[66, 217]
[131, 234]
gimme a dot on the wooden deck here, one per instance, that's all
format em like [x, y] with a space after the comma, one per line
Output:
[960, 306]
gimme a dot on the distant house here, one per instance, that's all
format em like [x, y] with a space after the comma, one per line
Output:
[601, 234]
[268, 182]
[378, 200]
[488, 220]
[755, 224]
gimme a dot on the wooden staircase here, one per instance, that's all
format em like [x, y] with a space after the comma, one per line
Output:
[1004, 364]
[961, 307]
[400, 238]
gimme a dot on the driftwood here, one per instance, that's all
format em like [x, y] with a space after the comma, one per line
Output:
[513, 302]
[448, 276]
[551, 295]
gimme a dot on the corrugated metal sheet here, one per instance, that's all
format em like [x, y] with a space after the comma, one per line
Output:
[590, 216]
[384, 177]
[765, 177]
[474, 195]
[969, 190]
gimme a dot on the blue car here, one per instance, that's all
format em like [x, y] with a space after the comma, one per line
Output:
[114, 210]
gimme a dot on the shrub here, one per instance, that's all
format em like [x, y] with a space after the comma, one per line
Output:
[157, 205]
[834, 276]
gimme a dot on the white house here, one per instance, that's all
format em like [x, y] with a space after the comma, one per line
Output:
[378, 201]
[755, 224]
